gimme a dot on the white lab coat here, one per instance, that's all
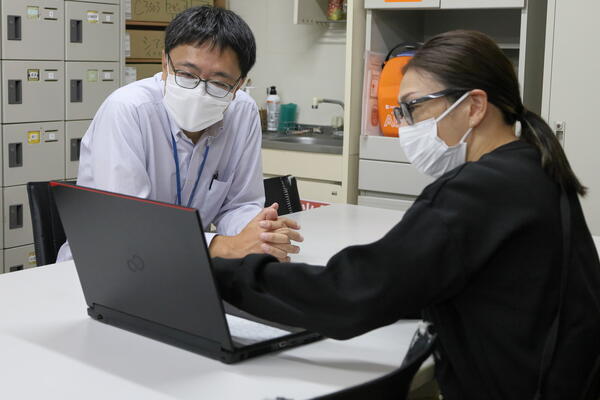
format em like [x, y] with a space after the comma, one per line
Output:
[128, 149]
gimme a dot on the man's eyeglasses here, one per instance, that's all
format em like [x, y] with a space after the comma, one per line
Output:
[189, 80]
[405, 109]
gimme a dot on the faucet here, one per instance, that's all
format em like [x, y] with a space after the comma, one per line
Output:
[337, 122]
[318, 100]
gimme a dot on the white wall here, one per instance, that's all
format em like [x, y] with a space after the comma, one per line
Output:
[303, 61]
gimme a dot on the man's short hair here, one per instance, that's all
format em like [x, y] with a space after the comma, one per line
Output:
[220, 28]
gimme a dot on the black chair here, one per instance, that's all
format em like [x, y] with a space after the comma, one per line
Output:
[284, 191]
[48, 232]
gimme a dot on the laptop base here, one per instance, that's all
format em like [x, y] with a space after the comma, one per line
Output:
[193, 343]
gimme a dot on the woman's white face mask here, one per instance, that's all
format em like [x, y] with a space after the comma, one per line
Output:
[426, 151]
[193, 109]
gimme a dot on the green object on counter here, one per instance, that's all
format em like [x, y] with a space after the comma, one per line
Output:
[287, 116]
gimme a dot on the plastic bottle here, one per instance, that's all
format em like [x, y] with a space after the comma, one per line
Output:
[273, 104]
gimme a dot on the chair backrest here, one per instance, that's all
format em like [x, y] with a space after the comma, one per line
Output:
[48, 232]
[284, 191]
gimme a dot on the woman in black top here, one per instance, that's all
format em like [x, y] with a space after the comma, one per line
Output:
[480, 251]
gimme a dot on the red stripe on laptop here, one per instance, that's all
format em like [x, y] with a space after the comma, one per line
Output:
[122, 196]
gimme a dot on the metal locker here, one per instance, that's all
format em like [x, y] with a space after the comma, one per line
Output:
[33, 29]
[32, 91]
[88, 84]
[75, 131]
[91, 32]
[17, 217]
[19, 258]
[33, 152]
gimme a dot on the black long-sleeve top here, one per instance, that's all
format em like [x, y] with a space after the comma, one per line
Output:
[480, 252]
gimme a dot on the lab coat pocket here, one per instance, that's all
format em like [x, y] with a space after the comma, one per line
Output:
[215, 198]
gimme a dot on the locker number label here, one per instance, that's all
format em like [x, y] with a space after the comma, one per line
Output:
[31, 258]
[33, 75]
[92, 75]
[93, 17]
[33, 12]
[34, 137]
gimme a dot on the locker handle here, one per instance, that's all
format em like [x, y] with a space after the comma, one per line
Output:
[76, 31]
[76, 91]
[15, 91]
[15, 268]
[15, 216]
[75, 149]
[14, 27]
[15, 155]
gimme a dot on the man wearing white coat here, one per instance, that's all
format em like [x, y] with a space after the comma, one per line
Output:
[188, 136]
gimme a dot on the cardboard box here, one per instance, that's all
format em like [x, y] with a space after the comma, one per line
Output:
[164, 10]
[135, 72]
[144, 43]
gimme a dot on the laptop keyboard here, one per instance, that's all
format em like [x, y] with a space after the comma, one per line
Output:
[246, 332]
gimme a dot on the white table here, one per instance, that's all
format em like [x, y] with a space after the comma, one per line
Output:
[51, 349]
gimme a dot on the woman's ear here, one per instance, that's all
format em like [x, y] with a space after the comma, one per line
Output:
[478, 107]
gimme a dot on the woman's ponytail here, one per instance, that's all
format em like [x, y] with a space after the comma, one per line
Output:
[535, 131]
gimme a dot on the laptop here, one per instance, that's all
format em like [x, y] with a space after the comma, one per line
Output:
[144, 267]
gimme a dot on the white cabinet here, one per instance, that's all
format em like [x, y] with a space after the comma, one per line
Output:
[449, 4]
[442, 4]
[384, 171]
[402, 4]
[570, 92]
[319, 175]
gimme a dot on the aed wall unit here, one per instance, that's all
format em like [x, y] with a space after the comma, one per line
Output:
[60, 60]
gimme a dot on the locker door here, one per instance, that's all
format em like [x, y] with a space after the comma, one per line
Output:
[75, 131]
[33, 29]
[32, 91]
[91, 32]
[19, 258]
[573, 72]
[88, 84]
[33, 152]
[17, 217]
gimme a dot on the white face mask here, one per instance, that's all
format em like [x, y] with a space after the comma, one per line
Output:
[193, 109]
[427, 152]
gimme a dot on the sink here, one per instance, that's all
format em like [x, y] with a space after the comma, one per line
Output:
[308, 138]
[317, 140]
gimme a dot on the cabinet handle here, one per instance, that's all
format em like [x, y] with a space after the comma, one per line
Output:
[15, 216]
[76, 31]
[15, 91]
[15, 268]
[75, 149]
[14, 27]
[15, 155]
[76, 91]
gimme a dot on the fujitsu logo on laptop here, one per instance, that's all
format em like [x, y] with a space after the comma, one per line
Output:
[136, 263]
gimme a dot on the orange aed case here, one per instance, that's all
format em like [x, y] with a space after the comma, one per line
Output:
[389, 85]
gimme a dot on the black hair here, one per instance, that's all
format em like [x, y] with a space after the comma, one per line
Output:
[219, 27]
[470, 59]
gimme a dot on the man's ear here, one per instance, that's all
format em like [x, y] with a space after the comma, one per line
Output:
[238, 86]
[165, 67]
[477, 107]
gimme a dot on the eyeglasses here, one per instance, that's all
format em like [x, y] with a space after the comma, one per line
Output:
[405, 109]
[189, 80]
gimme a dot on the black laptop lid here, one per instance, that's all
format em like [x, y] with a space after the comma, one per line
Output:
[144, 258]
